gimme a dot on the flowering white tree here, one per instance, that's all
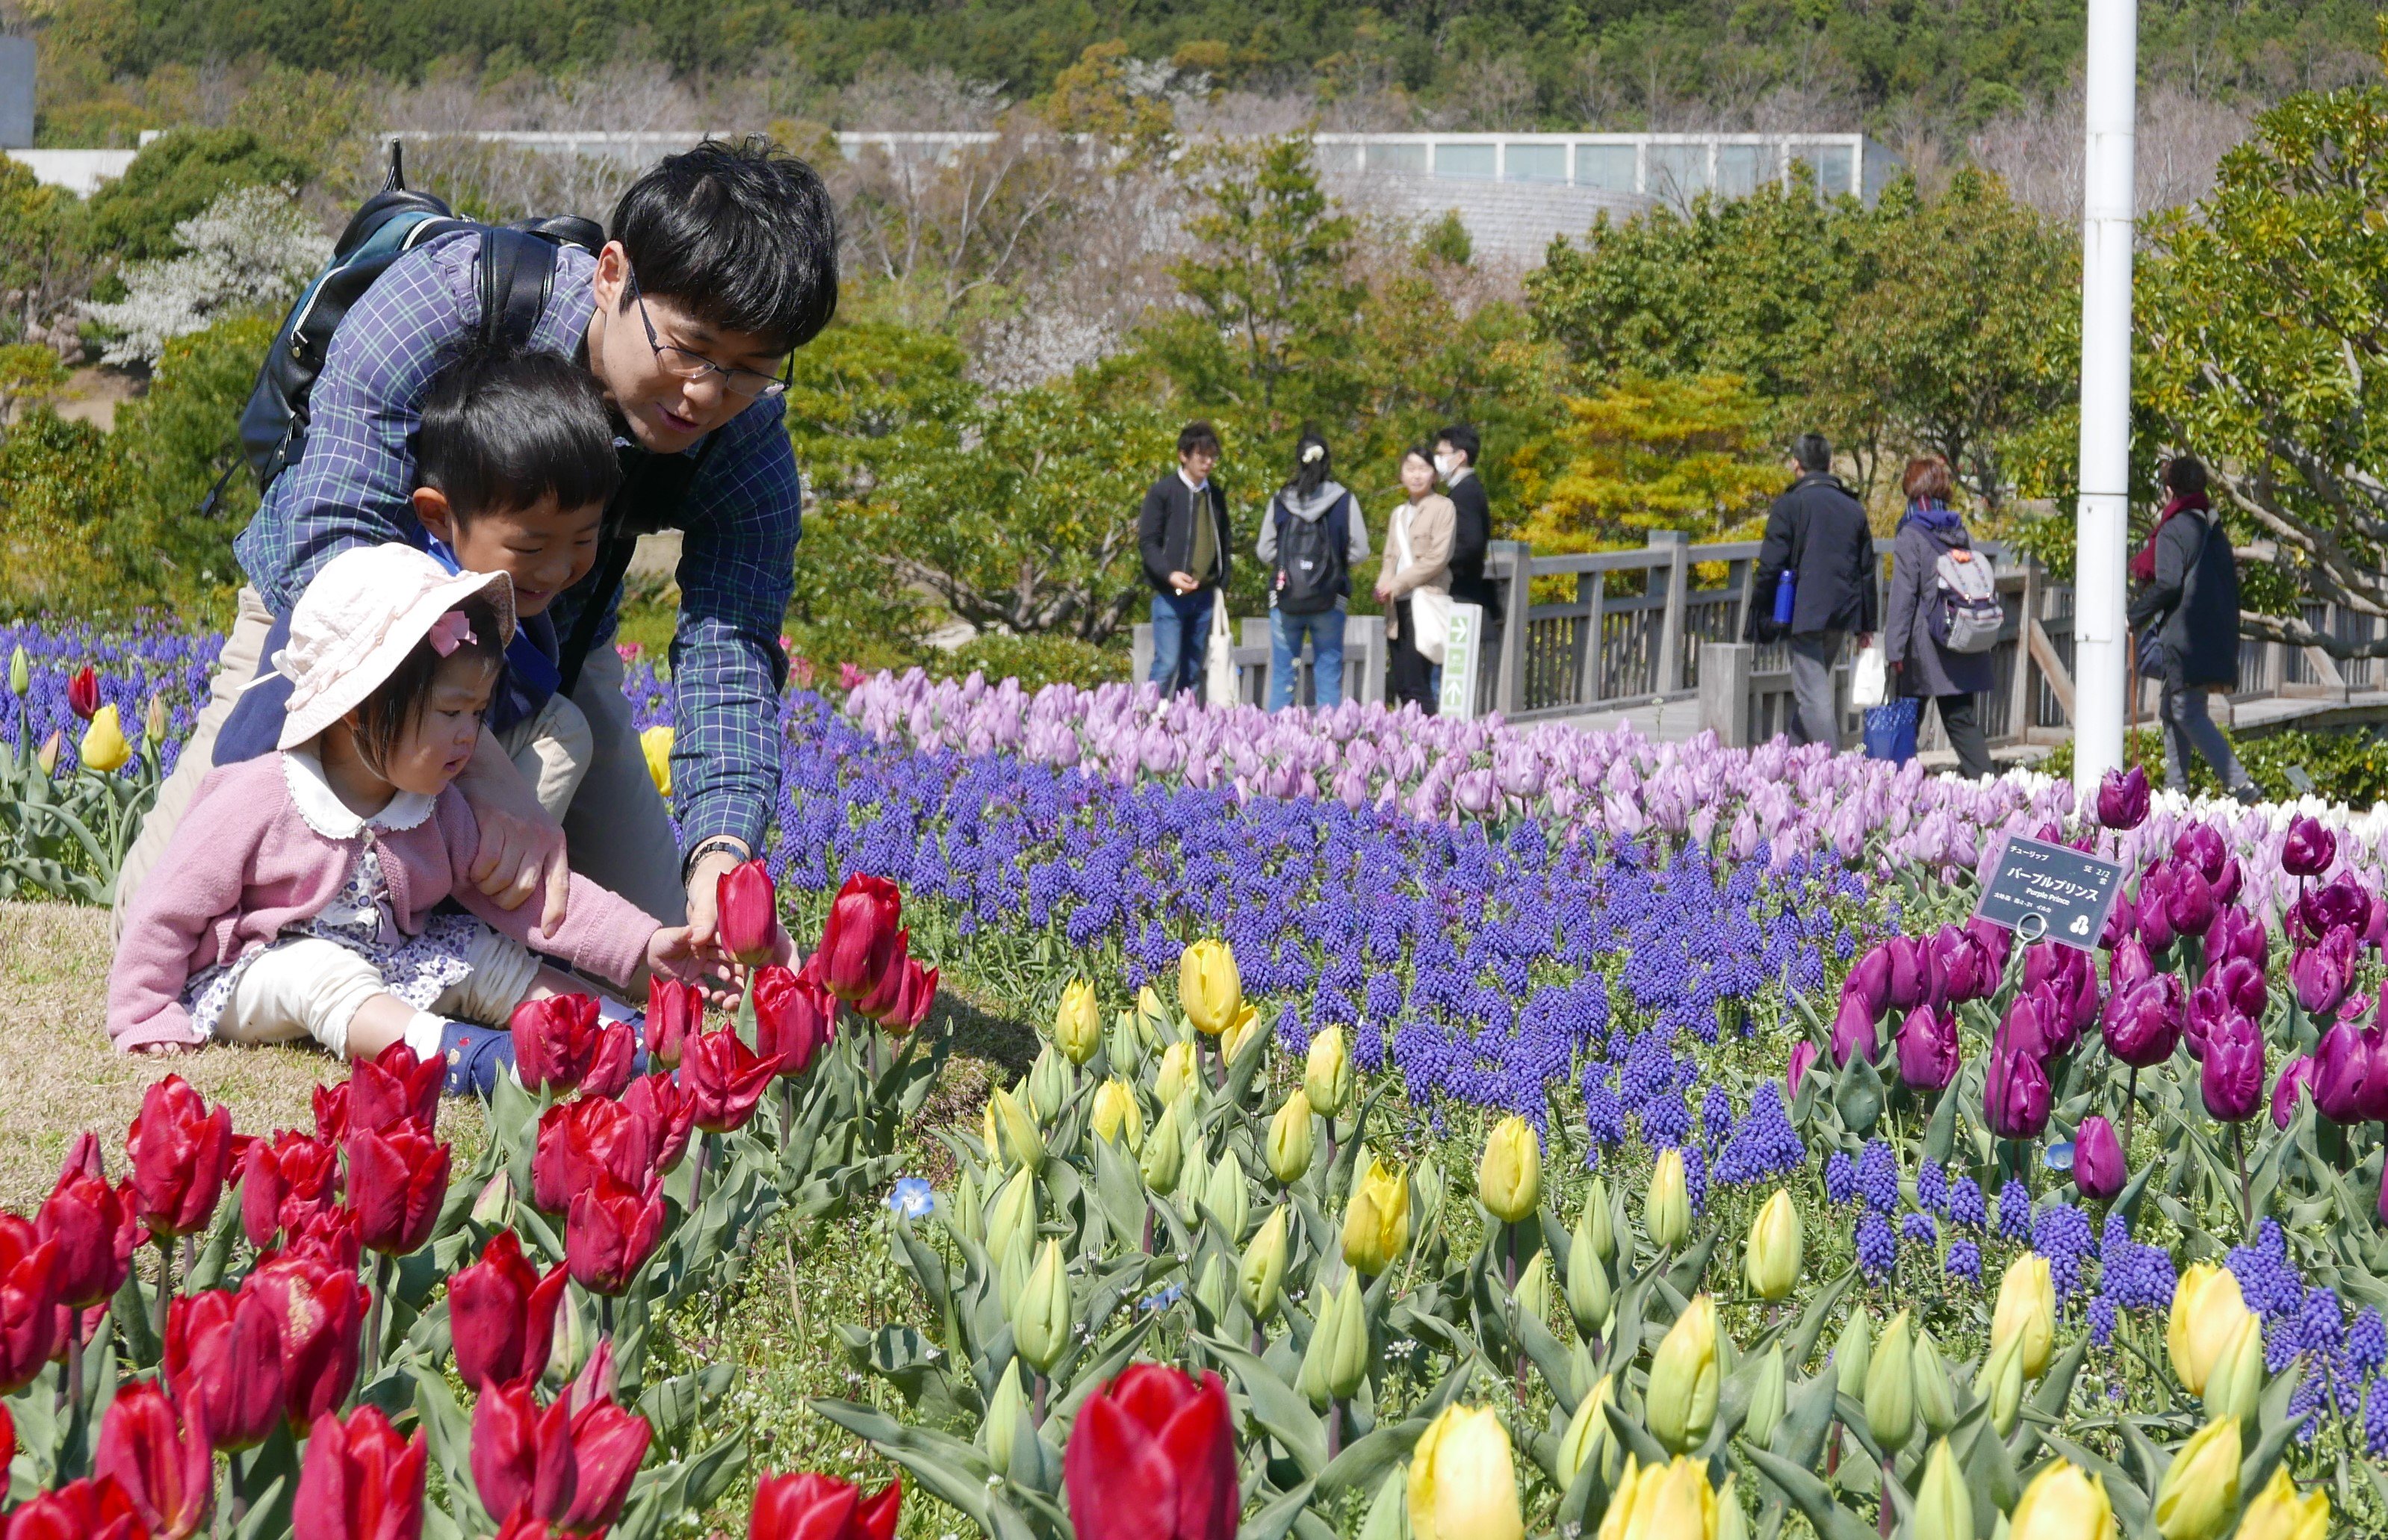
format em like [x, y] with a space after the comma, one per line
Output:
[252, 249]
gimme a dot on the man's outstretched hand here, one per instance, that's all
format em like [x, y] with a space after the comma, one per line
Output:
[703, 907]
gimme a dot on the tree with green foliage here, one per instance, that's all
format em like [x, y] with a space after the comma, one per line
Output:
[1657, 452]
[43, 263]
[176, 176]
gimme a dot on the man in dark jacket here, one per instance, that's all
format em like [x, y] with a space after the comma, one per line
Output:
[2190, 598]
[1818, 532]
[1455, 449]
[1183, 534]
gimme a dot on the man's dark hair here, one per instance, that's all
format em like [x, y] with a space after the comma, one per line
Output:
[744, 236]
[502, 430]
[2185, 475]
[1198, 436]
[1815, 456]
[398, 701]
[1462, 437]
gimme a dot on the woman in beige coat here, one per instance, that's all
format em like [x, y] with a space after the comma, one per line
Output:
[1417, 556]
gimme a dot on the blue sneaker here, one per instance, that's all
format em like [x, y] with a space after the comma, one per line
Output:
[476, 1056]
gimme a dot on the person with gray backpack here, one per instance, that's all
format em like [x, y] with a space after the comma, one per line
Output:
[1310, 537]
[1945, 613]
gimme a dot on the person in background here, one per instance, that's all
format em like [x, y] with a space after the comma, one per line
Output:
[1920, 666]
[1311, 535]
[1183, 535]
[1417, 556]
[2186, 616]
[1816, 532]
[1456, 452]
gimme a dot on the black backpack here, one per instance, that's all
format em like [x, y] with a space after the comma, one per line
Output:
[1313, 558]
[515, 271]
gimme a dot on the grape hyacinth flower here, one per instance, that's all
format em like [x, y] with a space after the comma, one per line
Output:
[1964, 1261]
[1966, 1206]
[1878, 1177]
[1840, 1177]
[2015, 1211]
[1932, 1188]
[1878, 1247]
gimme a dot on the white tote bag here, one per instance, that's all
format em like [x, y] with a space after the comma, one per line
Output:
[1219, 657]
[1429, 608]
[1869, 679]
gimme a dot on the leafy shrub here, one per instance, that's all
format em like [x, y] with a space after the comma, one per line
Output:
[177, 176]
[1035, 661]
[2348, 765]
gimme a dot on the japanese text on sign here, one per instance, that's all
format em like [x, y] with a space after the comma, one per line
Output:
[2051, 890]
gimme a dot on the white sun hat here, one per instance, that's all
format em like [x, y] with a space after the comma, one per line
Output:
[367, 609]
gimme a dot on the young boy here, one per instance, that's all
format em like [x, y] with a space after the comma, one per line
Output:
[515, 462]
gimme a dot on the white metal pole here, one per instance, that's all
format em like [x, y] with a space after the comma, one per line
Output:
[2100, 634]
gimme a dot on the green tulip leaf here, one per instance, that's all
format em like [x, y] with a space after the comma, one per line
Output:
[1940, 1134]
[1859, 1095]
[1281, 1409]
[1810, 1496]
[1389, 1511]
[1275, 1520]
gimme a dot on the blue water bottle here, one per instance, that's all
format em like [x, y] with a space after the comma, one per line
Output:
[1786, 590]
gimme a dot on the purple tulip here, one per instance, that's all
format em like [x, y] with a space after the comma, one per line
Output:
[2236, 932]
[2238, 985]
[2297, 1074]
[2098, 1168]
[1996, 941]
[2014, 1092]
[2342, 901]
[2201, 845]
[2122, 923]
[2154, 903]
[2129, 964]
[1911, 973]
[2308, 849]
[2070, 979]
[1927, 1049]
[2233, 1077]
[2142, 1020]
[2322, 975]
[1962, 969]
[2342, 1071]
[2188, 902]
[1870, 981]
[2123, 798]
[1853, 1032]
[2227, 885]
[1803, 1056]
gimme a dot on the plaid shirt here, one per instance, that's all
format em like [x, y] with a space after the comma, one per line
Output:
[353, 481]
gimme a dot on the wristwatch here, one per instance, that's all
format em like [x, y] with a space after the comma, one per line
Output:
[704, 848]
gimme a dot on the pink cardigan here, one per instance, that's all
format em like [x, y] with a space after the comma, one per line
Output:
[244, 865]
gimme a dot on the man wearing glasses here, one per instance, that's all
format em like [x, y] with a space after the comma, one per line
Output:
[722, 262]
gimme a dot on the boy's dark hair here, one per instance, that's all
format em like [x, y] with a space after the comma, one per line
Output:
[398, 701]
[1198, 436]
[1309, 473]
[742, 236]
[2185, 475]
[1815, 456]
[1462, 437]
[502, 430]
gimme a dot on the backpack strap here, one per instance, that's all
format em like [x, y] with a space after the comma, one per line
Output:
[513, 272]
[650, 494]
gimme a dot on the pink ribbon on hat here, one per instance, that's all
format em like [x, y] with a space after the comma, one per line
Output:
[449, 631]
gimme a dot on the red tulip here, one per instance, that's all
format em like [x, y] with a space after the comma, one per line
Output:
[611, 1231]
[608, 1442]
[332, 1238]
[727, 1078]
[394, 1085]
[283, 1181]
[161, 1460]
[793, 1017]
[181, 1153]
[2098, 1168]
[502, 1315]
[806, 1507]
[523, 1457]
[332, 1114]
[223, 1357]
[7, 1438]
[92, 1226]
[674, 1010]
[523, 1524]
[1153, 1454]
[910, 1007]
[1803, 1056]
[2231, 1078]
[669, 1109]
[320, 1308]
[361, 1480]
[82, 693]
[33, 1327]
[94, 1509]
[859, 940]
[397, 1181]
[614, 1061]
[745, 913]
[580, 1139]
[555, 1040]
[881, 1001]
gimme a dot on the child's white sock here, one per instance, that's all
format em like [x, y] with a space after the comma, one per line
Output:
[424, 1032]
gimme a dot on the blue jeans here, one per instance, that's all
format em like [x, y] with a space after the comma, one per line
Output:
[1181, 634]
[1326, 633]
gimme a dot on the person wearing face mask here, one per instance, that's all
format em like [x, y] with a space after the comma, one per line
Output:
[1310, 537]
[722, 262]
[1456, 452]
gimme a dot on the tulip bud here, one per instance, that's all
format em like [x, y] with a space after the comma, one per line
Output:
[1768, 1400]
[656, 747]
[1016, 1133]
[1376, 1221]
[1935, 1393]
[496, 1201]
[1852, 1354]
[1463, 1480]
[1509, 1175]
[1771, 1263]
[1077, 1024]
[1890, 1387]
[2199, 1495]
[1588, 1437]
[1049, 1085]
[1597, 1224]
[1666, 1206]
[1588, 1295]
[1261, 1277]
[575, 1338]
[102, 749]
[2236, 1383]
[1011, 1218]
[746, 911]
[1532, 1293]
[1164, 1153]
[1242, 1033]
[1118, 1114]
[1208, 989]
[1041, 1318]
[1426, 1181]
[1662, 1502]
[1732, 1523]
[20, 672]
[1326, 1074]
[1338, 1360]
[1290, 1140]
[2206, 1311]
[1011, 1276]
[153, 722]
[2026, 1310]
[1151, 1017]
[964, 1211]
[1944, 1509]
[1178, 1072]
[2278, 1513]
[46, 757]
[1007, 1410]
[2062, 1504]
[1227, 1197]
[1999, 1382]
[1210, 1289]
[1682, 1400]
[1127, 1044]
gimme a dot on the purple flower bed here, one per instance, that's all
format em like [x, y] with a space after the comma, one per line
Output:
[133, 666]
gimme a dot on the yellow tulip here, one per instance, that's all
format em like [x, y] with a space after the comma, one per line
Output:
[655, 743]
[2063, 1504]
[1326, 1073]
[1588, 1436]
[1376, 1221]
[2206, 1313]
[1944, 1509]
[2278, 1513]
[1118, 1113]
[1666, 1206]
[1151, 1017]
[1290, 1140]
[1208, 986]
[2236, 1383]
[1463, 1481]
[1262, 1275]
[2026, 1311]
[1178, 1074]
[104, 749]
[1242, 1033]
[1041, 1317]
[1016, 1130]
[1770, 1261]
[1682, 1400]
[1890, 1386]
[1011, 1218]
[1662, 1502]
[1077, 1024]
[2200, 1490]
[1509, 1176]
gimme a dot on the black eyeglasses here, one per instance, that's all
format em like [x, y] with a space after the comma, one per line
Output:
[680, 363]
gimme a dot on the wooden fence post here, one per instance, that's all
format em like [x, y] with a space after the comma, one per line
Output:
[1671, 626]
